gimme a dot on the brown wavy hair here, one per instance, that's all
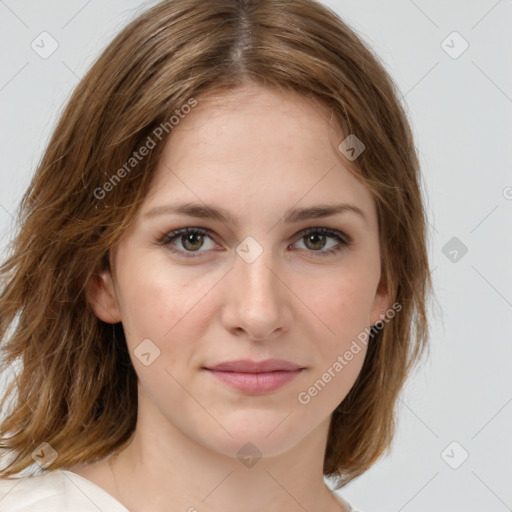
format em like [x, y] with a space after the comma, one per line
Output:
[77, 388]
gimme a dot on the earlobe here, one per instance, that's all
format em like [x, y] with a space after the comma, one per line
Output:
[101, 297]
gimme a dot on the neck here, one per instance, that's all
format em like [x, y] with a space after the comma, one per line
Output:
[162, 469]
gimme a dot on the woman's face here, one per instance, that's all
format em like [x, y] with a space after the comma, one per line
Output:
[252, 286]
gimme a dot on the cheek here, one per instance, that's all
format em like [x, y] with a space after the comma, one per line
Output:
[342, 302]
[152, 304]
[167, 307]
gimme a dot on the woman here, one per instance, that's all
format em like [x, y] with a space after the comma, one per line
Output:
[221, 275]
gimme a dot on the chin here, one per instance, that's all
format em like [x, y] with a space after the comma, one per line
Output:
[257, 434]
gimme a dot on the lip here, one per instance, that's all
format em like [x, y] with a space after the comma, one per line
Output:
[256, 377]
[250, 366]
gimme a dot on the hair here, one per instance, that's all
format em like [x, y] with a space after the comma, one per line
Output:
[77, 387]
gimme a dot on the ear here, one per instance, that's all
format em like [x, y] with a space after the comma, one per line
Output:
[381, 302]
[102, 298]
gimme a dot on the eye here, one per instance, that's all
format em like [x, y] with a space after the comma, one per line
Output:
[315, 240]
[192, 240]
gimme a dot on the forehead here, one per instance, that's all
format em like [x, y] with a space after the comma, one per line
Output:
[263, 104]
[256, 147]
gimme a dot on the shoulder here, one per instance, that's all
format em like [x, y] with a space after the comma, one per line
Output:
[43, 492]
[347, 507]
[54, 491]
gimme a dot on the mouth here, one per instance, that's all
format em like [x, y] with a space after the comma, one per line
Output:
[254, 377]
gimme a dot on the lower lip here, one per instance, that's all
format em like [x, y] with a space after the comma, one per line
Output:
[256, 382]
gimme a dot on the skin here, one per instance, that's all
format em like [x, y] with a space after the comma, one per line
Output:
[256, 152]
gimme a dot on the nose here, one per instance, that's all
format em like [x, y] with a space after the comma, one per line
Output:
[257, 300]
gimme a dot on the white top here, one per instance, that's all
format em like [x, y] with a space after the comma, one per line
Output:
[60, 490]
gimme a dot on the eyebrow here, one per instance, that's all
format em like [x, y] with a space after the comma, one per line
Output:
[204, 211]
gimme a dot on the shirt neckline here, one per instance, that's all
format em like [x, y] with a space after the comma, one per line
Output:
[344, 502]
[98, 491]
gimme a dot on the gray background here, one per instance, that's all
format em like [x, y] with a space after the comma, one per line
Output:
[461, 111]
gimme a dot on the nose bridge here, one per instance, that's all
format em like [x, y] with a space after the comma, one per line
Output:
[255, 268]
[257, 304]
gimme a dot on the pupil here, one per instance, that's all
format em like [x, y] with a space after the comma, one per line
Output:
[190, 239]
[320, 237]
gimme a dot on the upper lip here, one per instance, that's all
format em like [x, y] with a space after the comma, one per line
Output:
[249, 366]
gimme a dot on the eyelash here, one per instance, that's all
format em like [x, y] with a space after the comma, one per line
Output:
[344, 240]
